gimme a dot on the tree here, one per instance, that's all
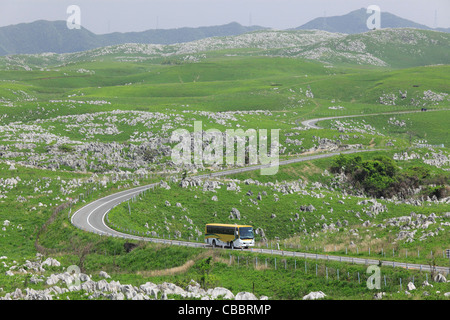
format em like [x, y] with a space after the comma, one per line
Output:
[81, 250]
[205, 267]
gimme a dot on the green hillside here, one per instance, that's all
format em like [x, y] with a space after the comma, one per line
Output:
[78, 126]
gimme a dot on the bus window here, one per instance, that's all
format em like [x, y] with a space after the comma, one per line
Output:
[246, 232]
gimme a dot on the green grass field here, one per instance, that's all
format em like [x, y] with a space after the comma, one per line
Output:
[77, 127]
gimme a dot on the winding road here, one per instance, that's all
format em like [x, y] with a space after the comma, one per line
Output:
[92, 216]
[312, 123]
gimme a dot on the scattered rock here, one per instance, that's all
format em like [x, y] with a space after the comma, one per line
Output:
[235, 214]
[411, 286]
[314, 295]
[439, 278]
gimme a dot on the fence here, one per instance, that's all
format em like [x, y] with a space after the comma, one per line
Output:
[375, 252]
[395, 280]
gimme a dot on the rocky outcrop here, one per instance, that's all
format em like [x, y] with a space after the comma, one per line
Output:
[114, 290]
[235, 214]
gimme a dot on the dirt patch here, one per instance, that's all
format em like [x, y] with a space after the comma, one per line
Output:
[183, 268]
[167, 272]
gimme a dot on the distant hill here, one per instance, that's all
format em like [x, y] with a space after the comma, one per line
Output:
[54, 36]
[355, 22]
[45, 36]
[180, 35]
[392, 47]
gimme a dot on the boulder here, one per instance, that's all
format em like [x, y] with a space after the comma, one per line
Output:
[378, 295]
[314, 295]
[103, 285]
[220, 293]
[439, 278]
[170, 288]
[245, 296]
[235, 214]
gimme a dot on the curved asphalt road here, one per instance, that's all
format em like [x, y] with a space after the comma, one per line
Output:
[312, 123]
[91, 218]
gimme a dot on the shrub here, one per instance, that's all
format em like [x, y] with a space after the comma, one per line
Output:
[375, 176]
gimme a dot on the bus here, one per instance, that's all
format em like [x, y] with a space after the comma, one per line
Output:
[230, 235]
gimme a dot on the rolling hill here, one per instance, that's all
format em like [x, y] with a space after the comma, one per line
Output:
[355, 22]
[393, 48]
[54, 36]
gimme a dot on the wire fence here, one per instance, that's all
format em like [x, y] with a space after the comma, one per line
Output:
[376, 251]
[394, 280]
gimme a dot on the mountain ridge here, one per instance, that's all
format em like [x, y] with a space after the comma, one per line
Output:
[53, 36]
[355, 22]
[44, 36]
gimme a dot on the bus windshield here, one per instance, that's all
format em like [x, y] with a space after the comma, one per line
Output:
[246, 232]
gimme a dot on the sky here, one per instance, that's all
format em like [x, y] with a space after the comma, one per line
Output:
[105, 16]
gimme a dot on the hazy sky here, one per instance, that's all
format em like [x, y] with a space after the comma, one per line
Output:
[103, 16]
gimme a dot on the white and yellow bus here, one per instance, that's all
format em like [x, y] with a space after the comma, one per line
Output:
[230, 235]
